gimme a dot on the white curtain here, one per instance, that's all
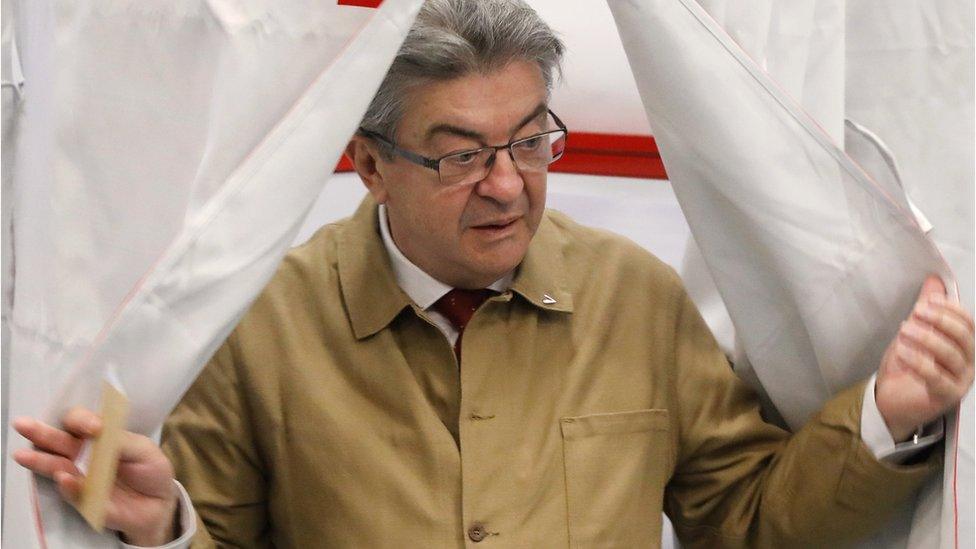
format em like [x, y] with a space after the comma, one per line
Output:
[800, 44]
[166, 157]
[816, 260]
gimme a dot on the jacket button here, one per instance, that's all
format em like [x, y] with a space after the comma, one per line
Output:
[477, 533]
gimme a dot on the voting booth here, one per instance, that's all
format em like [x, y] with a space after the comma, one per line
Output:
[802, 164]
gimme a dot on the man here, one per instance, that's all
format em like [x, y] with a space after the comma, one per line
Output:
[454, 365]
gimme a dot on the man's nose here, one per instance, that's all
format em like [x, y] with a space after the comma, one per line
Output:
[504, 182]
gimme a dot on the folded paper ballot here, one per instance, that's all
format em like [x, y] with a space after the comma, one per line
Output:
[103, 466]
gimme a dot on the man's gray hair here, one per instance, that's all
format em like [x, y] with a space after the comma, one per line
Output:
[453, 38]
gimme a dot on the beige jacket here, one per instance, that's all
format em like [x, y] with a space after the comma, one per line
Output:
[336, 416]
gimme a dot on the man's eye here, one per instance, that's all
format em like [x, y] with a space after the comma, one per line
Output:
[531, 143]
[464, 159]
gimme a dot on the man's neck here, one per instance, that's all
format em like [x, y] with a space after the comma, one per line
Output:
[421, 286]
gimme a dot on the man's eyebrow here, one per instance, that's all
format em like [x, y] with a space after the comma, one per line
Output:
[455, 130]
[541, 109]
[476, 136]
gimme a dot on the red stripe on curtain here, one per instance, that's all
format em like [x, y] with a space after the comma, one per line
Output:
[361, 3]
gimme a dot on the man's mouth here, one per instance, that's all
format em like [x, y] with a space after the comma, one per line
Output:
[497, 227]
[498, 224]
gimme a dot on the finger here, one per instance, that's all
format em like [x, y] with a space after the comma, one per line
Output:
[945, 351]
[935, 378]
[48, 438]
[138, 448]
[940, 315]
[954, 306]
[82, 423]
[932, 286]
[43, 463]
[144, 467]
[69, 486]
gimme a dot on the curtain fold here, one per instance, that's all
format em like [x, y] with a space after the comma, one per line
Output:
[170, 153]
[816, 260]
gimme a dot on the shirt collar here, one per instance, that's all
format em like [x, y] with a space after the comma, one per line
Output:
[422, 288]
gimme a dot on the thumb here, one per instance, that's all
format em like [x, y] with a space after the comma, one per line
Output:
[932, 285]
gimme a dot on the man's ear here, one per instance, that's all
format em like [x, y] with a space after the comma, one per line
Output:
[364, 155]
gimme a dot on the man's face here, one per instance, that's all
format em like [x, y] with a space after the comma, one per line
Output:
[467, 235]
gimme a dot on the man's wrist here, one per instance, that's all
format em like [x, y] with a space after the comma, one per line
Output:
[899, 432]
[185, 524]
[160, 533]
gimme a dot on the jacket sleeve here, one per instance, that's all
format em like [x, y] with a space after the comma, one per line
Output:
[739, 482]
[209, 439]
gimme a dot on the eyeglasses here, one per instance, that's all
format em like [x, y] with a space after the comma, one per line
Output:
[531, 154]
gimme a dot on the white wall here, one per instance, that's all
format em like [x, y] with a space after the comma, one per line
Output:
[598, 92]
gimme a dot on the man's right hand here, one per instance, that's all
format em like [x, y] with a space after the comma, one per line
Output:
[142, 504]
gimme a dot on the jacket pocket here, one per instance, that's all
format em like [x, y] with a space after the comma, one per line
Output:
[616, 467]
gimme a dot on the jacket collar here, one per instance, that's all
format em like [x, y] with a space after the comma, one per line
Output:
[369, 288]
[541, 278]
[374, 298]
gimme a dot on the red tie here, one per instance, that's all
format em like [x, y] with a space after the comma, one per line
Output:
[458, 306]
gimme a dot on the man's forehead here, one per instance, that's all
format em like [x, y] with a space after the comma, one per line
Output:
[487, 103]
[474, 128]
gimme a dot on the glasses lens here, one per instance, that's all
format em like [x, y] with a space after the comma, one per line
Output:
[538, 151]
[464, 167]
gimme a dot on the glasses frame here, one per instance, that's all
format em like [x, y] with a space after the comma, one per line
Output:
[434, 163]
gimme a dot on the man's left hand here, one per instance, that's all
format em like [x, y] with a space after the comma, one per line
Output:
[928, 367]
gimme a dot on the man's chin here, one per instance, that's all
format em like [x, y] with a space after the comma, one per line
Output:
[488, 272]
[487, 262]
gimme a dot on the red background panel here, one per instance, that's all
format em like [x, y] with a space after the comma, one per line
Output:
[611, 154]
